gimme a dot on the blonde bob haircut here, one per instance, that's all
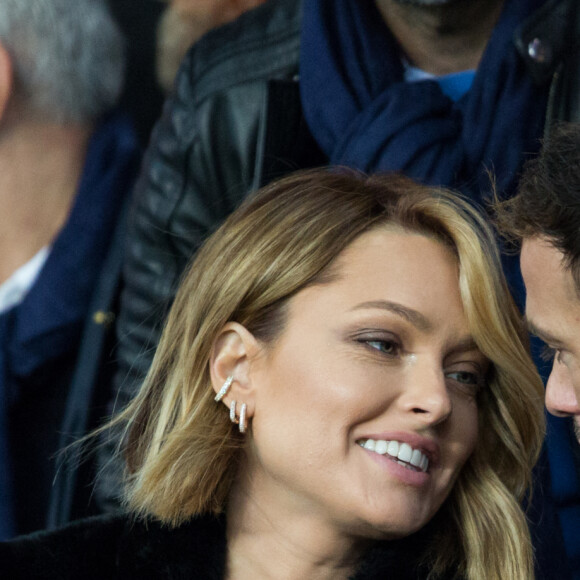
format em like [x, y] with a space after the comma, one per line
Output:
[183, 452]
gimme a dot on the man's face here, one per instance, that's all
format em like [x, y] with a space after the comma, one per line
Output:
[553, 314]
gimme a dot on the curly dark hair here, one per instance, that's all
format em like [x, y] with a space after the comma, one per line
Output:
[547, 203]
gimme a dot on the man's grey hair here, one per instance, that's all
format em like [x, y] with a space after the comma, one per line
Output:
[68, 56]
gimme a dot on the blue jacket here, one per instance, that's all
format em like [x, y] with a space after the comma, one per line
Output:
[39, 338]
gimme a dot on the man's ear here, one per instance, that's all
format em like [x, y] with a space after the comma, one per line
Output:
[232, 354]
[6, 79]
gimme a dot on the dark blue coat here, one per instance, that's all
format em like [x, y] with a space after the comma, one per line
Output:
[39, 338]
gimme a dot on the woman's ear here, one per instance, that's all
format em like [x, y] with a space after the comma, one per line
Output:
[233, 352]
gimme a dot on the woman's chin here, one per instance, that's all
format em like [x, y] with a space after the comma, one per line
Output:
[389, 526]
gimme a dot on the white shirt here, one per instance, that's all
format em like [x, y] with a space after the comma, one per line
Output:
[13, 290]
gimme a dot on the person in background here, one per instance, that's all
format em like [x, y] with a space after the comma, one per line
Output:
[313, 412]
[544, 219]
[443, 91]
[183, 23]
[67, 162]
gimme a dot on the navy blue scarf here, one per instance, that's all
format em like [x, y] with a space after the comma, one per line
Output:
[363, 114]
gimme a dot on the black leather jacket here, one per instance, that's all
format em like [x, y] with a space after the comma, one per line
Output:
[206, 154]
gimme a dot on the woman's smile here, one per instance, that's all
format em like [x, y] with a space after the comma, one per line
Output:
[414, 458]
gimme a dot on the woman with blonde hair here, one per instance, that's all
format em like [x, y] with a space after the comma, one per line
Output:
[342, 390]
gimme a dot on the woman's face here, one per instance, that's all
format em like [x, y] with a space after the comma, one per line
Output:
[365, 406]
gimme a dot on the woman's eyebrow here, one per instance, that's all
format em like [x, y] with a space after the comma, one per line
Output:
[417, 319]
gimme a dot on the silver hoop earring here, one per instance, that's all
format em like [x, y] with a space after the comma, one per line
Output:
[243, 418]
[233, 412]
[225, 388]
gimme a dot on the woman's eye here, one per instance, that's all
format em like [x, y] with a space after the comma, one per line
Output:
[465, 377]
[386, 346]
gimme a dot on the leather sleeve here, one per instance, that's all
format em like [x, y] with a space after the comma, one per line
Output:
[202, 160]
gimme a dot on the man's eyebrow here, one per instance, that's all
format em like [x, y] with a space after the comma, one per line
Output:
[543, 335]
[413, 316]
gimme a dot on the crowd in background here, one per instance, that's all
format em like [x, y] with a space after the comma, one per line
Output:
[111, 186]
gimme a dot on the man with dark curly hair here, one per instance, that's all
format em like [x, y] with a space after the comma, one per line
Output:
[544, 218]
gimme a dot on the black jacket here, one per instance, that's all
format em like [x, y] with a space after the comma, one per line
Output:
[233, 124]
[118, 548]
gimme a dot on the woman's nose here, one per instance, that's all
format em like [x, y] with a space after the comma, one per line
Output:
[425, 394]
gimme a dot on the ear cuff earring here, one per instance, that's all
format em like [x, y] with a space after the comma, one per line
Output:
[243, 407]
[242, 420]
[225, 388]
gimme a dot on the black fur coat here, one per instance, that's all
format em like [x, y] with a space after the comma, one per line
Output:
[116, 547]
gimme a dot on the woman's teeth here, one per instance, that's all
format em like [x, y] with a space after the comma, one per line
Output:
[403, 452]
